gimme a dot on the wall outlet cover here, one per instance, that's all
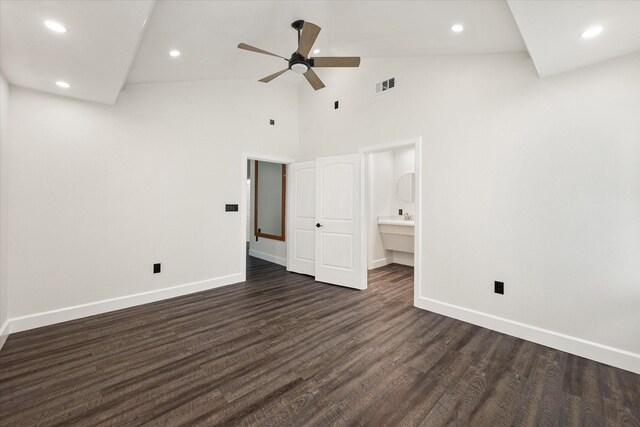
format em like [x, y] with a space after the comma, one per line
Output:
[156, 268]
[498, 288]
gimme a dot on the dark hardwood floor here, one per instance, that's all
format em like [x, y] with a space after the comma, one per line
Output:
[282, 350]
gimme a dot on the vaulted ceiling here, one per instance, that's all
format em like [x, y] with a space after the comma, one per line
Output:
[112, 42]
[552, 31]
[94, 55]
[207, 34]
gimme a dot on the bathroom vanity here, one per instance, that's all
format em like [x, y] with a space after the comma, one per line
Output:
[397, 233]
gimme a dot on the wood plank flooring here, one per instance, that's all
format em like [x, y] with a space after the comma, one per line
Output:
[283, 350]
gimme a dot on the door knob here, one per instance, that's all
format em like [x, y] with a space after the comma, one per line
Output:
[318, 225]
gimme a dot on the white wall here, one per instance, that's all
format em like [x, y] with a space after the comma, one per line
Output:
[404, 160]
[381, 203]
[267, 249]
[532, 182]
[4, 151]
[101, 193]
[384, 169]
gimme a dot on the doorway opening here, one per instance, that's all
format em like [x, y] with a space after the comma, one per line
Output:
[391, 207]
[327, 223]
[264, 209]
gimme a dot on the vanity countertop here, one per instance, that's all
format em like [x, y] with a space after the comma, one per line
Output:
[395, 220]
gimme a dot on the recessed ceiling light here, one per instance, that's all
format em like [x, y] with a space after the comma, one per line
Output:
[55, 26]
[457, 28]
[316, 51]
[62, 84]
[591, 32]
[174, 53]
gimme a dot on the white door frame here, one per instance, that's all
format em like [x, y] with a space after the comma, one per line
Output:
[243, 200]
[415, 142]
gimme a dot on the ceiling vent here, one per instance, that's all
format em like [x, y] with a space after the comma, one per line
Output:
[385, 85]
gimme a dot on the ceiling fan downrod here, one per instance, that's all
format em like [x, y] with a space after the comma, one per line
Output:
[297, 25]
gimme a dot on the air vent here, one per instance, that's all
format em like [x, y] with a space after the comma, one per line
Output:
[386, 85]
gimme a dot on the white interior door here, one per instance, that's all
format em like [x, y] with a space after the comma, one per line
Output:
[302, 218]
[338, 259]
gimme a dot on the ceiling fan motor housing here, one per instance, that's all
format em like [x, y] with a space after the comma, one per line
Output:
[298, 64]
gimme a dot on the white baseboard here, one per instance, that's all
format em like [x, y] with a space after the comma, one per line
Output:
[379, 263]
[4, 332]
[23, 323]
[601, 353]
[268, 257]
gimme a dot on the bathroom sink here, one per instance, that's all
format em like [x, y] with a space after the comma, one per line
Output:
[397, 233]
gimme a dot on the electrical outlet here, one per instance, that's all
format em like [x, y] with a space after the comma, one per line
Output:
[272, 122]
[498, 287]
[231, 208]
[156, 268]
[336, 105]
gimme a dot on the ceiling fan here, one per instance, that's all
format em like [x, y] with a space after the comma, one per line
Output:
[300, 62]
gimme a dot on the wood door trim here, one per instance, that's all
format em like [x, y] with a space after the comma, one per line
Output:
[283, 206]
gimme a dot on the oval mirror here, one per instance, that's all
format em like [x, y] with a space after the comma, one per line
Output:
[405, 187]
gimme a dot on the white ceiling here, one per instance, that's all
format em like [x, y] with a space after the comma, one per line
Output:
[207, 34]
[551, 30]
[107, 43]
[94, 56]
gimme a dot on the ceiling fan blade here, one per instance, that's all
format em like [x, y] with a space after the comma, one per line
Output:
[308, 38]
[313, 79]
[336, 61]
[255, 49]
[273, 76]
